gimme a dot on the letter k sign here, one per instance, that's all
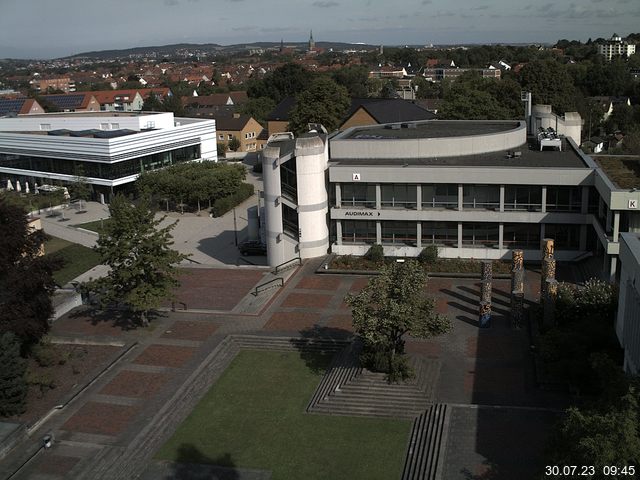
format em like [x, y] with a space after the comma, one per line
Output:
[633, 203]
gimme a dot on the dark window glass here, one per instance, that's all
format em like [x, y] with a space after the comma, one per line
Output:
[566, 237]
[358, 195]
[394, 232]
[355, 231]
[564, 199]
[440, 233]
[480, 234]
[523, 197]
[486, 197]
[524, 236]
[399, 195]
[444, 195]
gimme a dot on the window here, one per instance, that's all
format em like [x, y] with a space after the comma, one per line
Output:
[229, 137]
[115, 126]
[359, 195]
[484, 197]
[480, 235]
[440, 233]
[358, 231]
[220, 137]
[289, 180]
[567, 237]
[564, 199]
[104, 126]
[290, 221]
[523, 197]
[400, 195]
[443, 195]
[45, 126]
[395, 232]
[525, 236]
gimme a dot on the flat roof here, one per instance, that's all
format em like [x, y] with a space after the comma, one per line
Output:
[431, 129]
[87, 114]
[530, 157]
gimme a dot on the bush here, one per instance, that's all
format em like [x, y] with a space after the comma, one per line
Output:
[47, 355]
[429, 254]
[223, 205]
[375, 254]
[13, 386]
[42, 381]
[396, 367]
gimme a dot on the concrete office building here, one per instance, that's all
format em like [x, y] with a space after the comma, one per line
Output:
[628, 321]
[112, 148]
[476, 189]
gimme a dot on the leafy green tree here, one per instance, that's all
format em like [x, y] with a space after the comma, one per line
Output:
[26, 277]
[13, 385]
[173, 104]
[389, 89]
[287, 80]
[390, 306]
[258, 108]
[354, 79]
[474, 98]
[142, 263]
[323, 102]
[221, 148]
[81, 188]
[152, 104]
[234, 144]
[550, 84]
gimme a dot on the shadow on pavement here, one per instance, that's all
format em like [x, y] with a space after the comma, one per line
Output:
[125, 320]
[320, 342]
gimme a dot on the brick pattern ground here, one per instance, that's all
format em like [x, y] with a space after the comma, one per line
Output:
[165, 356]
[101, 418]
[130, 383]
[216, 289]
[55, 465]
[190, 330]
[306, 300]
[320, 282]
[292, 321]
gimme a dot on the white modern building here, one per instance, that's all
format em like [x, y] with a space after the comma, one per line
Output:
[616, 47]
[112, 148]
[476, 189]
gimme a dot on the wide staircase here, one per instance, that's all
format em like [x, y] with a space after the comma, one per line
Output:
[426, 446]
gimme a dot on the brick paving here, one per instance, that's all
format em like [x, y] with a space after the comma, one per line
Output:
[56, 465]
[165, 356]
[135, 384]
[190, 330]
[489, 366]
[101, 418]
[216, 288]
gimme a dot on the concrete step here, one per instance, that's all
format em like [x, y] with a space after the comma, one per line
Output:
[389, 394]
[364, 411]
[426, 446]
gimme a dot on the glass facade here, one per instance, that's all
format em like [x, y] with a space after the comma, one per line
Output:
[480, 235]
[358, 195]
[443, 195]
[564, 199]
[399, 195]
[567, 237]
[289, 180]
[525, 236]
[354, 231]
[399, 233]
[290, 221]
[440, 233]
[523, 197]
[109, 171]
[485, 197]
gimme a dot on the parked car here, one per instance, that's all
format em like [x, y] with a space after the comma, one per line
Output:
[253, 247]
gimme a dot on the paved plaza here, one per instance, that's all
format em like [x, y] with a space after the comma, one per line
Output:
[498, 418]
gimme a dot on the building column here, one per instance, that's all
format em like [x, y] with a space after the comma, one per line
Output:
[616, 226]
[614, 267]
[584, 207]
[419, 197]
[583, 238]
[500, 236]
[379, 232]
[419, 234]
[609, 221]
[459, 235]
[460, 196]
[502, 198]
[544, 199]
[378, 197]
[339, 232]
[338, 195]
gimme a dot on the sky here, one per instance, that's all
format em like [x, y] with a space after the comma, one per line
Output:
[55, 28]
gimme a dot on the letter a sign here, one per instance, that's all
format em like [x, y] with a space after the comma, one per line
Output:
[355, 177]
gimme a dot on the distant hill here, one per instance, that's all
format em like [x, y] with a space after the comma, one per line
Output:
[169, 50]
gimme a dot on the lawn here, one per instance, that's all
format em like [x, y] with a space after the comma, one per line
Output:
[77, 259]
[254, 418]
[94, 226]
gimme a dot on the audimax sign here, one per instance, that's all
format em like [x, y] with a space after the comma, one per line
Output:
[361, 213]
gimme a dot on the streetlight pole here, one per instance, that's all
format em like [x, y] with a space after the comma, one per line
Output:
[235, 226]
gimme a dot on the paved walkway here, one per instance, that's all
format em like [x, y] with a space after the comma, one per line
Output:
[486, 377]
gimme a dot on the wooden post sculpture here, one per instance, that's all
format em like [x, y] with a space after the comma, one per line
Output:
[548, 265]
[517, 287]
[485, 293]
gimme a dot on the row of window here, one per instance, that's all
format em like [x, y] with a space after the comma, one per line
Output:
[485, 197]
[110, 171]
[516, 235]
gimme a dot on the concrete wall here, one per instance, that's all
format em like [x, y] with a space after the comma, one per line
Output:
[628, 318]
[276, 252]
[570, 125]
[85, 121]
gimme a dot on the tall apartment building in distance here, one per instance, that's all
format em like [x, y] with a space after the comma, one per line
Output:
[616, 47]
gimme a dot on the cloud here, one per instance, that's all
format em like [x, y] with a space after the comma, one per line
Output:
[427, 2]
[481, 7]
[171, 3]
[441, 13]
[324, 4]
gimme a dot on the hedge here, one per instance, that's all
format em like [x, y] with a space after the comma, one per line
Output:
[223, 205]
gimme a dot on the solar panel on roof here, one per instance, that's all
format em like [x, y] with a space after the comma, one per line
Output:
[11, 106]
[65, 101]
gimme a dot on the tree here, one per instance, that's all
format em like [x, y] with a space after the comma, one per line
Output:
[26, 277]
[549, 83]
[323, 102]
[287, 80]
[142, 264]
[13, 385]
[173, 103]
[234, 144]
[258, 108]
[152, 104]
[390, 306]
[81, 188]
[354, 79]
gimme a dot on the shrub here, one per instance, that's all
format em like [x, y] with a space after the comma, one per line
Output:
[41, 380]
[13, 386]
[46, 355]
[375, 254]
[429, 254]
[223, 205]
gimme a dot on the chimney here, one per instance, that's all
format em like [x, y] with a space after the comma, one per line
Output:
[236, 115]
